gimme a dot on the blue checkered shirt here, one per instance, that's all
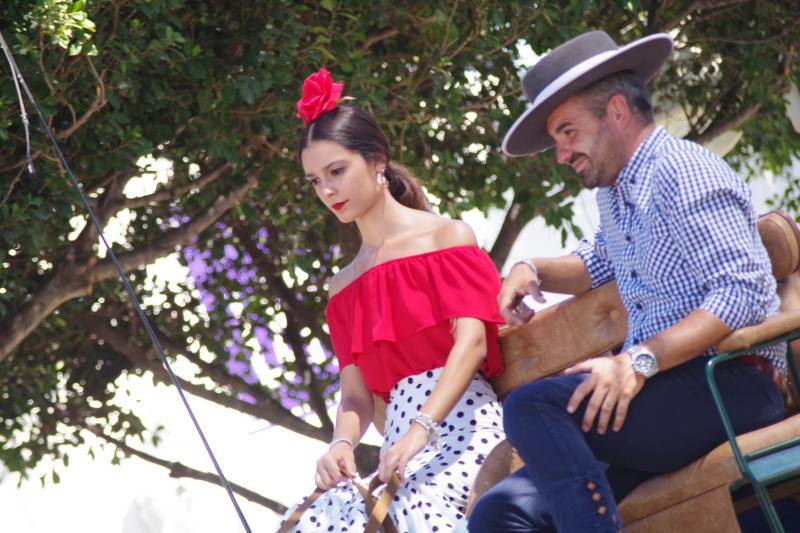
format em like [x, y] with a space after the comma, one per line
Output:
[678, 233]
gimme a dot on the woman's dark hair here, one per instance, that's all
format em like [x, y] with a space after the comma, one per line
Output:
[357, 131]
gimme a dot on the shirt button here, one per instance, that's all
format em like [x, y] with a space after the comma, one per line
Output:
[634, 274]
[638, 306]
[628, 238]
[636, 340]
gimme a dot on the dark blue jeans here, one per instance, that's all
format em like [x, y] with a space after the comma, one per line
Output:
[572, 479]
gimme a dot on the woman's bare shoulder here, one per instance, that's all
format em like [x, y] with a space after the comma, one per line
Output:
[339, 280]
[452, 233]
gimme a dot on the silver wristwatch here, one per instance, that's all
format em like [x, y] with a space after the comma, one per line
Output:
[643, 360]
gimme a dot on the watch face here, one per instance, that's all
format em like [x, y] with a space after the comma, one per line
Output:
[645, 363]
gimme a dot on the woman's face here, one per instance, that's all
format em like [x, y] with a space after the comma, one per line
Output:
[344, 181]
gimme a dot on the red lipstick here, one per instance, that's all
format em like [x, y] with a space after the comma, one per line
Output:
[339, 205]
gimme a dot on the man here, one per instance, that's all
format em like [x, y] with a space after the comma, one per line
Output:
[678, 234]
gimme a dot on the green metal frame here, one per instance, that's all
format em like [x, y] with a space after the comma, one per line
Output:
[768, 465]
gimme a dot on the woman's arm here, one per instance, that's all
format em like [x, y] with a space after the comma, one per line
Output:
[466, 356]
[353, 417]
[356, 408]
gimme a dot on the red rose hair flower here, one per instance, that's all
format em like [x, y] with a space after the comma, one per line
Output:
[320, 95]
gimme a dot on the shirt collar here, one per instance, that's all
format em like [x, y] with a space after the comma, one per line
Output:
[644, 152]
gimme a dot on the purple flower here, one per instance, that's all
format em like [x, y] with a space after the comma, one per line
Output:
[332, 368]
[232, 349]
[207, 299]
[231, 252]
[262, 336]
[247, 398]
[198, 269]
[290, 403]
[236, 368]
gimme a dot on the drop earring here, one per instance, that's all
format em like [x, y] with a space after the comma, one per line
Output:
[380, 179]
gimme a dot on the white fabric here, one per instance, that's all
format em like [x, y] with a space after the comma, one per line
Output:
[438, 482]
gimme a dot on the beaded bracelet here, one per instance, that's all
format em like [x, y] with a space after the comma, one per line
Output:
[431, 427]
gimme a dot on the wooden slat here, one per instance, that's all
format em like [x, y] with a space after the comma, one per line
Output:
[772, 327]
[558, 337]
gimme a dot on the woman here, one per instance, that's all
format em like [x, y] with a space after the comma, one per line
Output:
[413, 319]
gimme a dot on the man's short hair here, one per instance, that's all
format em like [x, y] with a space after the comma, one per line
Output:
[626, 83]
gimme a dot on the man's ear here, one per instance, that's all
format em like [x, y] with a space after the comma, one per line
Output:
[617, 109]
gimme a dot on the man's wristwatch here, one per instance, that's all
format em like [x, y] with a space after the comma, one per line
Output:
[643, 360]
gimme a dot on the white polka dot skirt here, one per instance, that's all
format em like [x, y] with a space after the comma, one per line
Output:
[438, 481]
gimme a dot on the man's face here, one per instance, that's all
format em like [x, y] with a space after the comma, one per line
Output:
[588, 144]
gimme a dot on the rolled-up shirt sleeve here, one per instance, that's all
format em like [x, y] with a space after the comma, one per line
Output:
[711, 219]
[594, 255]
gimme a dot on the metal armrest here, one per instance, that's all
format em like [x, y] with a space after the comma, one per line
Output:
[783, 327]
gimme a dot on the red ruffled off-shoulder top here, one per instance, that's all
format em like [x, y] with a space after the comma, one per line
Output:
[393, 321]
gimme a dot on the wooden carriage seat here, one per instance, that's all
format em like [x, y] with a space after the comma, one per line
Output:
[696, 497]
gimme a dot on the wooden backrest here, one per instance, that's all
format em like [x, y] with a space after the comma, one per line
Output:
[596, 322]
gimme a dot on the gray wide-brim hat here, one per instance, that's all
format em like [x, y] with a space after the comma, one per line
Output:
[569, 69]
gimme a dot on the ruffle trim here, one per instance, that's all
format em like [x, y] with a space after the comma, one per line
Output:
[399, 298]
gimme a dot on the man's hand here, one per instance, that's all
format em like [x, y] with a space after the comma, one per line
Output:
[335, 466]
[396, 457]
[613, 384]
[520, 282]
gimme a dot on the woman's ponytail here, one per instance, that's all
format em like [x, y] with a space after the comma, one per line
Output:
[405, 187]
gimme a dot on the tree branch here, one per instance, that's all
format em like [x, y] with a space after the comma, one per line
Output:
[74, 279]
[265, 408]
[172, 239]
[513, 224]
[382, 35]
[97, 104]
[178, 470]
[274, 280]
[167, 195]
[519, 214]
[721, 125]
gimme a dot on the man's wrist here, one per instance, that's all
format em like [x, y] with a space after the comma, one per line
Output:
[531, 265]
[643, 360]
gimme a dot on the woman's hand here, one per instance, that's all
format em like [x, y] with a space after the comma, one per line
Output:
[335, 466]
[396, 457]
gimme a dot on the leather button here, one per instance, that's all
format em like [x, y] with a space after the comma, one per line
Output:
[596, 497]
[602, 509]
[591, 485]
